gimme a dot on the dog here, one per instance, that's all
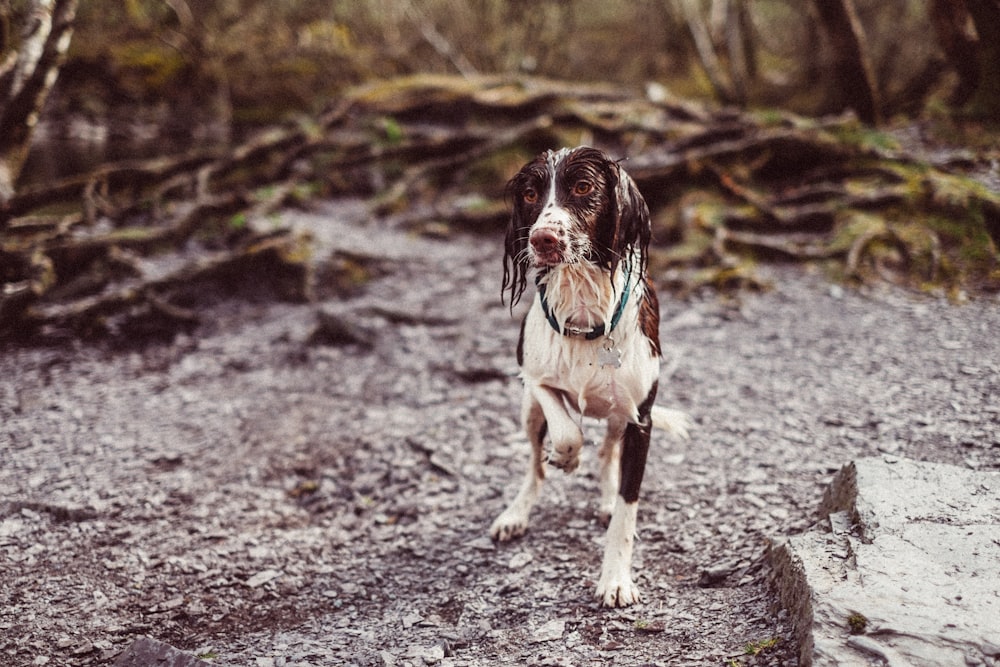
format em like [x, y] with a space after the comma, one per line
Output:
[589, 344]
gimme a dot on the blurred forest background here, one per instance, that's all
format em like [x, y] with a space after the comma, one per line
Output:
[186, 66]
[861, 133]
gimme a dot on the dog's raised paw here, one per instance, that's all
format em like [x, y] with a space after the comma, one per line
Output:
[567, 459]
[566, 465]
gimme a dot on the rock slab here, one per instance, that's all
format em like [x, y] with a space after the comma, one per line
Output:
[903, 568]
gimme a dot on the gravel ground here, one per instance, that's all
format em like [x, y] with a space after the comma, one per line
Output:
[260, 493]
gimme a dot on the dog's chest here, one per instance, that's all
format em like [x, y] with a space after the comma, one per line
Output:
[598, 377]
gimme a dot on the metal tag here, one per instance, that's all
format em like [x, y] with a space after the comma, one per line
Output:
[609, 355]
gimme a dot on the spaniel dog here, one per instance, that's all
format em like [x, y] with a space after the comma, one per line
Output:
[589, 344]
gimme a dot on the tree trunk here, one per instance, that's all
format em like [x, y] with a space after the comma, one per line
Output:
[950, 18]
[740, 47]
[25, 82]
[853, 76]
[985, 102]
[705, 48]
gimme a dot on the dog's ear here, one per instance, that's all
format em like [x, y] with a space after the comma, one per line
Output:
[515, 254]
[632, 226]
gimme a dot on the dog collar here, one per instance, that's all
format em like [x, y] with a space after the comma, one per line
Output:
[602, 329]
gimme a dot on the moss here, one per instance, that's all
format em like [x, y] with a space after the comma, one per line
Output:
[857, 623]
[158, 67]
[855, 133]
[770, 117]
[757, 647]
[704, 211]
[238, 221]
[389, 131]
[852, 225]
[731, 278]
[966, 245]
[955, 192]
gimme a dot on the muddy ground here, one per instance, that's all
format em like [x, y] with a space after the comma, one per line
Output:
[312, 484]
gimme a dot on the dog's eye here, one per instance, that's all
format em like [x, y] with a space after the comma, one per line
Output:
[530, 196]
[583, 188]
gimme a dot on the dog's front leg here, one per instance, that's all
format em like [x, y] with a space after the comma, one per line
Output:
[615, 587]
[514, 520]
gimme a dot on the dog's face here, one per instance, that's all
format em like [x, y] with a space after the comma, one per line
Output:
[574, 205]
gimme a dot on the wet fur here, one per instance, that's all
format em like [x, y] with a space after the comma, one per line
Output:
[581, 225]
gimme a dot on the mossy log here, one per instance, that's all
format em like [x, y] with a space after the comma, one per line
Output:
[725, 188]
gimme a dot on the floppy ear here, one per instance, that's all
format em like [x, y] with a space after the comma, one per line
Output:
[632, 228]
[515, 255]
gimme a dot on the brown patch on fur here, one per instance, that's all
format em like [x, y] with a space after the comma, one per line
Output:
[649, 315]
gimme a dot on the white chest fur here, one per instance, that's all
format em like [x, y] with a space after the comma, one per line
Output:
[578, 368]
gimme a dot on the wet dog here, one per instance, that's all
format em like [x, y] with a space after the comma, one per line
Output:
[589, 344]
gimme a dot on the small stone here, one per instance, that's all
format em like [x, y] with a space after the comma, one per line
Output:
[549, 632]
[337, 330]
[430, 655]
[262, 578]
[83, 649]
[434, 654]
[172, 603]
[650, 627]
[715, 575]
[519, 560]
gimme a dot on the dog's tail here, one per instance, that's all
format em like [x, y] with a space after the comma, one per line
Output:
[674, 422]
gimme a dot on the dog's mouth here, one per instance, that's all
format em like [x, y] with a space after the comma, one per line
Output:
[548, 258]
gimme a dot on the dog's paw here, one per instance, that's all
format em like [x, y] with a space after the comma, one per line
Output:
[567, 464]
[566, 457]
[508, 525]
[617, 591]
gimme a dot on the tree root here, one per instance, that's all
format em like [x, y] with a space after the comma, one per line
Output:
[783, 189]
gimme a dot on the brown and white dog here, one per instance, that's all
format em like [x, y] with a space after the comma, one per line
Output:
[589, 344]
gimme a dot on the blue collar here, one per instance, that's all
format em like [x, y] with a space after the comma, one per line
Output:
[601, 329]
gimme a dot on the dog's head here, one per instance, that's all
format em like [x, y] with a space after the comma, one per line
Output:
[574, 205]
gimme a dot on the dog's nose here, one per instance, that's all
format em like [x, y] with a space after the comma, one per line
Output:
[544, 240]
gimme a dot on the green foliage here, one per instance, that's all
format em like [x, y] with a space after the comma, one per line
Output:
[857, 134]
[271, 59]
[755, 648]
[391, 132]
[238, 221]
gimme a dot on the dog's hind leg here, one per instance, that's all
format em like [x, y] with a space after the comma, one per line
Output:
[615, 587]
[514, 520]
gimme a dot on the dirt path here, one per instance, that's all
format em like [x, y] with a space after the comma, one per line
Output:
[260, 499]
